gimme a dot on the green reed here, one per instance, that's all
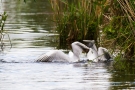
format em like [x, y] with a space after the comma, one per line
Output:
[111, 23]
[74, 20]
[119, 29]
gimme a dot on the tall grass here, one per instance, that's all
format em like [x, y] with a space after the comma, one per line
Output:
[120, 27]
[120, 30]
[111, 23]
[74, 19]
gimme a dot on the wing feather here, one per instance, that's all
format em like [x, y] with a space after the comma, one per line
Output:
[55, 55]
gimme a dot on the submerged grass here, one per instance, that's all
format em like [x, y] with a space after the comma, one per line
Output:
[3, 33]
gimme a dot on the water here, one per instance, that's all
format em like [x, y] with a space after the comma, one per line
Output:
[32, 33]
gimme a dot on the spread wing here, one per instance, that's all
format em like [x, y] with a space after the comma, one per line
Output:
[106, 54]
[52, 56]
[103, 54]
[78, 47]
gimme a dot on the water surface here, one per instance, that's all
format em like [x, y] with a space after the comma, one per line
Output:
[32, 33]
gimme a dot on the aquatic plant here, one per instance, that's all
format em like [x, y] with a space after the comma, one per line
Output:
[3, 33]
[111, 23]
[119, 28]
[74, 20]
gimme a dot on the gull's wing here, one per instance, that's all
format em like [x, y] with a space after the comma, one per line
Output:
[106, 54]
[103, 54]
[52, 56]
[78, 47]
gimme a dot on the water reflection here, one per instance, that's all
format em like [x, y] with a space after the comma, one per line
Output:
[28, 21]
[122, 80]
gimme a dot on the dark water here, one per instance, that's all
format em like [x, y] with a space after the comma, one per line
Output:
[32, 33]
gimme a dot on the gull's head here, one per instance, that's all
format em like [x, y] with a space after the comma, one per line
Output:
[89, 43]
